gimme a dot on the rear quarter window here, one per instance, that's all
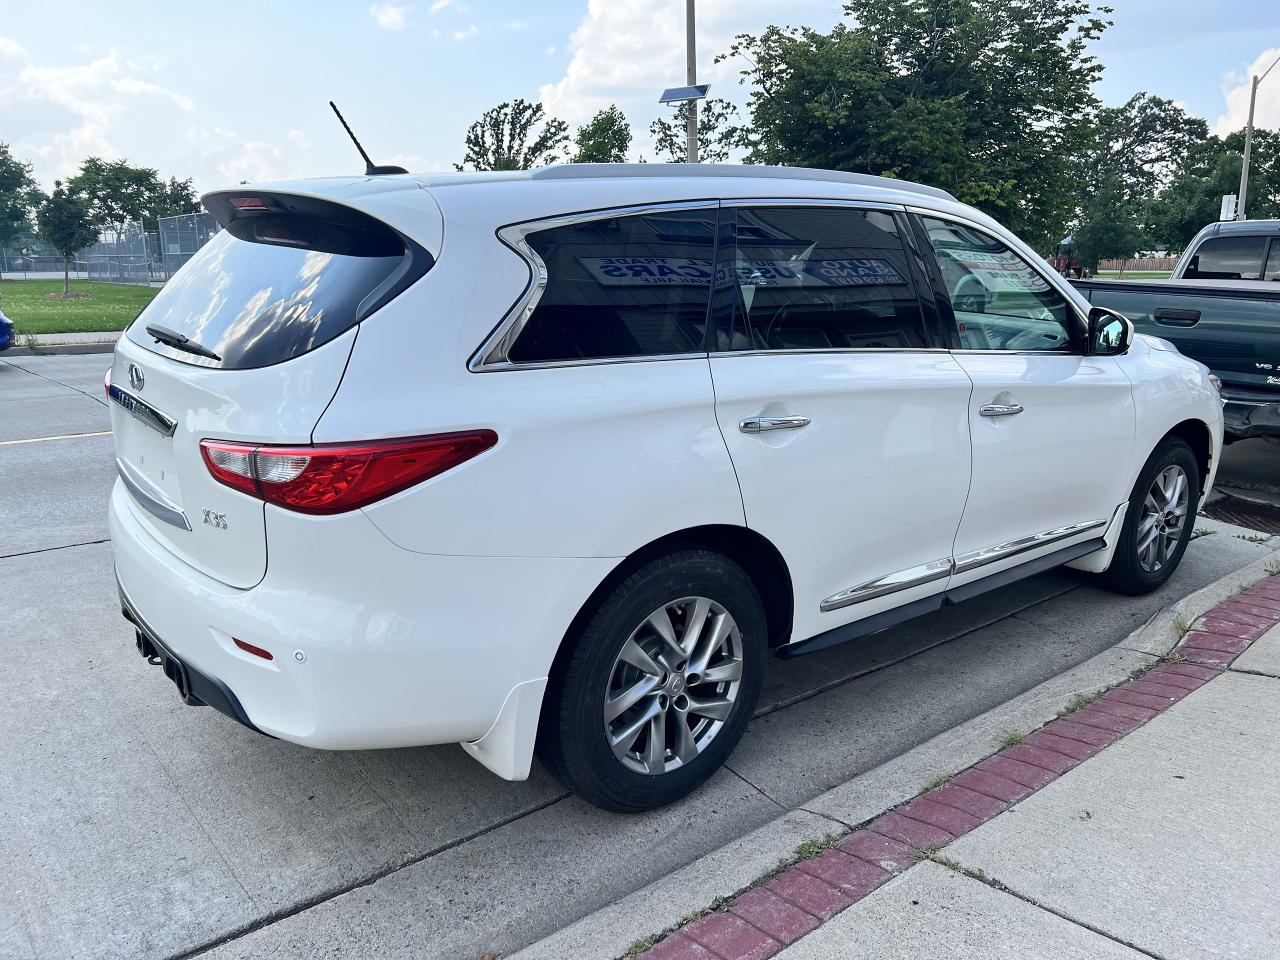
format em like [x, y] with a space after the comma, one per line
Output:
[1227, 258]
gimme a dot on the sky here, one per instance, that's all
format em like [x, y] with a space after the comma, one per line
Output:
[239, 90]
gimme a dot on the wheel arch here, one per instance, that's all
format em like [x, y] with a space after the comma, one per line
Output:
[1198, 437]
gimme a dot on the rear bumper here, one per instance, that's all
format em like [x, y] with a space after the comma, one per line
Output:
[373, 646]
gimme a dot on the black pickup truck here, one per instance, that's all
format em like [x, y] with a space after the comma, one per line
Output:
[1231, 326]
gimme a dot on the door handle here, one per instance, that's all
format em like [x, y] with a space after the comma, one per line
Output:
[1000, 409]
[761, 424]
[1176, 318]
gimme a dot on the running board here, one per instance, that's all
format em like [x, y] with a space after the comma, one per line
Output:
[909, 611]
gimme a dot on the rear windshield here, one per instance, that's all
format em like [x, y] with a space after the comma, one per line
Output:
[259, 302]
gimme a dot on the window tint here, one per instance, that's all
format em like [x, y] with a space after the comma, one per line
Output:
[814, 278]
[1227, 258]
[621, 287]
[1000, 302]
[1272, 271]
[255, 302]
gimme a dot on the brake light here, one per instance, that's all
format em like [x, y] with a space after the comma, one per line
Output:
[332, 478]
[248, 203]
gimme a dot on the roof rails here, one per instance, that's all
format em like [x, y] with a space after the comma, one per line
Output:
[586, 171]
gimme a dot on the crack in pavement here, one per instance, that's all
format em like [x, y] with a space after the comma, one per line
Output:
[85, 393]
[65, 546]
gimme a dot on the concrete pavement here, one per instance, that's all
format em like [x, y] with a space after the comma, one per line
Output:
[135, 826]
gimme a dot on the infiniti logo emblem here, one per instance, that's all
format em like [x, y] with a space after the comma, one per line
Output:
[137, 379]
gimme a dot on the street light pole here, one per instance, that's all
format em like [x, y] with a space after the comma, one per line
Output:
[1248, 139]
[691, 75]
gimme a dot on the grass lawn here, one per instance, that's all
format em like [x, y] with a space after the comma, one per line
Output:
[111, 306]
[1133, 275]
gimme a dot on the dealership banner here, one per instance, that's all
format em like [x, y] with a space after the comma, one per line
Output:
[695, 271]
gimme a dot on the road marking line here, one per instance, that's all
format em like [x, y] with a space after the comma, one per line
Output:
[63, 436]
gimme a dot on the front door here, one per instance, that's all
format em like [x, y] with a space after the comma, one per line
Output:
[847, 427]
[1052, 428]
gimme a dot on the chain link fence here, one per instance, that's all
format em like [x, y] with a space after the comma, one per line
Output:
[127, 255]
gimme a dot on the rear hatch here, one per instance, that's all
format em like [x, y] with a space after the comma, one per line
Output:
[247, 342]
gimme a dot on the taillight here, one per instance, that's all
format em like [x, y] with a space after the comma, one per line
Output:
[332, 478]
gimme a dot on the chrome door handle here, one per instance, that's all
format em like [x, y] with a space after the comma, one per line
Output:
[761, 424]
[1000, 409]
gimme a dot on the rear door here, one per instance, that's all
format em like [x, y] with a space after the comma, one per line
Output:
[1052, 428]
[247, 342]
[846, 426]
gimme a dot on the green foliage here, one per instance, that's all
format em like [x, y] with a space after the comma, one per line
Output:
[116, 192]
[66, 225]
[19, 197]
[1209, 170]
[606, 138]
[1108, 227]
[112, 306]
[1138, 145]
[501, 138]
[718, 132]
[990, 99]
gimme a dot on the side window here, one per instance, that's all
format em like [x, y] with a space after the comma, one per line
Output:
[628, 286]
[1272, 270]
[1227, 258]
[1000, 301]
[814, 278]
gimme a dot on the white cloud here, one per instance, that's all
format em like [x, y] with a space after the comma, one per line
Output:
[517, 24]
[440, 5]
[627, 51]
[1236, 88]
[11, 48]
[466, 34]
[389, 16]
[551, 51]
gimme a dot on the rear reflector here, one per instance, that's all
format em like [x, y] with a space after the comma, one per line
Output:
[336, 477]
[256, 651]
[106, 383]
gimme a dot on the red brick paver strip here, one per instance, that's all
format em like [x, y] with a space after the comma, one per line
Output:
[766, 911]
[764, 920]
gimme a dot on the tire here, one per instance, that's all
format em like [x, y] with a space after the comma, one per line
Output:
[592, 675]
[1139, 565]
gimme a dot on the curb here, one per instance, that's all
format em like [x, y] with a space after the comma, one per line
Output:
[55, 349]
[736, 868]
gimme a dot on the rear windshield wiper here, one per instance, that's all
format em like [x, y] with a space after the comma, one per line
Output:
[176, 340]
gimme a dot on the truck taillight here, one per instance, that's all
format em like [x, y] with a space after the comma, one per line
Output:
[331, 478]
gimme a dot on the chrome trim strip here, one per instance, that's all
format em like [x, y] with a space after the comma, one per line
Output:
[803, 351]
[150, 498]
[890, 583]
[492, 354]
[140, 410]
[812, 202]
[763, 424]
[938, 569]
[1000, 551]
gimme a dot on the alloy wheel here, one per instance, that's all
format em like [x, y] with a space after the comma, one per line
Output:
[1164, 512]
[673, 684]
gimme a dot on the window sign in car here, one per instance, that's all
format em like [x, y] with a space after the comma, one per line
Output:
[816, 278]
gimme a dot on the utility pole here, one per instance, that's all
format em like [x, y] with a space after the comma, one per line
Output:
[1248, 138]
[691, 77]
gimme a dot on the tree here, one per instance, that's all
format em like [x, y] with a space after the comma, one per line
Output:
[500, 139]
[606, 138]
[66, 224]
[1210, 170]
[718, 132]
[990, 99]
[1108, 227]
[116, 193]
[1138, 145]
[19, 196]
[175, 198]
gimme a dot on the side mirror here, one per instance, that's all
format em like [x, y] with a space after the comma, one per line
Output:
[1110, 333]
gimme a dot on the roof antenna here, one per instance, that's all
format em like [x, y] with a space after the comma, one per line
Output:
[370, 169]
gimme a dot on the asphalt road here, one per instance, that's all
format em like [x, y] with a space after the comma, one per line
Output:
[135, 826]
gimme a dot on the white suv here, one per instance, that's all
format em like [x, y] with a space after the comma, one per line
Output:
[556, 458]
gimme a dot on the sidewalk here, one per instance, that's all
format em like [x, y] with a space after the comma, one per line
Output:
[1143, 824]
